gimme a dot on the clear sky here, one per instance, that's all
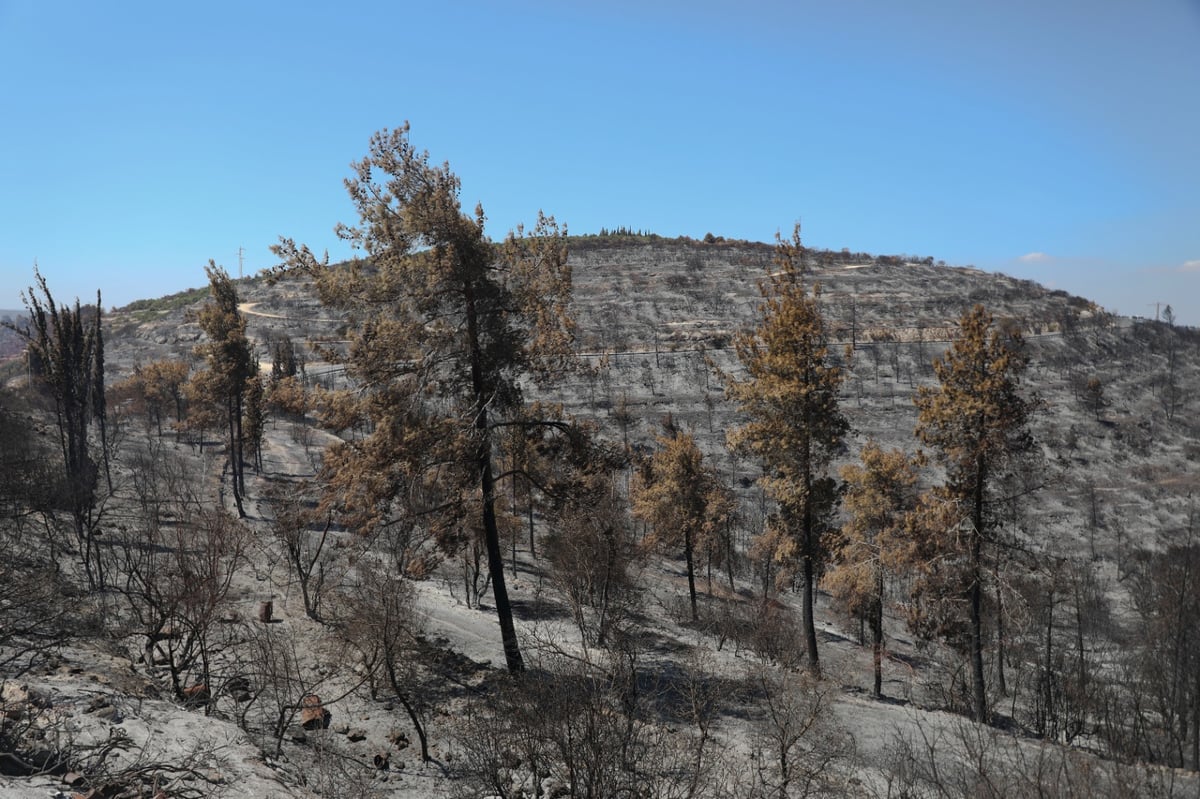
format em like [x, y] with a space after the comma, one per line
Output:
[1051, 139]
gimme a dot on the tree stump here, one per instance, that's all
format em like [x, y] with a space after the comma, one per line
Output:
[264, 611]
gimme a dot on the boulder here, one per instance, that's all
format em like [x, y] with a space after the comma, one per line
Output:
[313, 715]
[239, 689]
[196, 695]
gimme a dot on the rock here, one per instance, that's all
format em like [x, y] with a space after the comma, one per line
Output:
[166, 633]
[239, 689]
[342, 729]
[17, 694]
[381, 761]
[297, 734]
[313, 715]
[356, 735]
[196, 695]
[554, 788]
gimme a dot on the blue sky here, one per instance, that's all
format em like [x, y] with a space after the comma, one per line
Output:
[1052, 140]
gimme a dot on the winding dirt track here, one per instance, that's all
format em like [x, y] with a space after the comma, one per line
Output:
[248, 309]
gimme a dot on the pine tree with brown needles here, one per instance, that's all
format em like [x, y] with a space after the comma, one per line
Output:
[229, 366]
[880, 493]
[790, 394]
[976, 422]
[682, 500]
[445, 324]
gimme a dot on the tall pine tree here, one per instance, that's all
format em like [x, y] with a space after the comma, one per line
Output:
[65, 350]
[229, 367]
[790, 393]
[446, 323]
[976, 422]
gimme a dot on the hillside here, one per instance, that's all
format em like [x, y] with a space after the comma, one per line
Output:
[650, 315]
[10, 343]
[1111, 482]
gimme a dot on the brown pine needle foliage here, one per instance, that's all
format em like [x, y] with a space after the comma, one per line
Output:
[976, 422]
[879, 496]
[796, 427]
[229, 368]
[445, 325]
[682, 500]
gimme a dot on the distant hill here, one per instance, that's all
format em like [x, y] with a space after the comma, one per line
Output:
[10, 343]
[652, 313]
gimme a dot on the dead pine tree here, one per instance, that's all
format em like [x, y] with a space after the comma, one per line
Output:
[229, 367]
[681, 499]
[790, 393]
[976, 423]
[65, 351]
[880, 494]
[445, 324]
